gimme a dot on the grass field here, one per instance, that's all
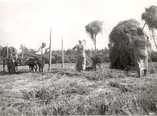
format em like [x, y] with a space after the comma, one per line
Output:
[68, 92]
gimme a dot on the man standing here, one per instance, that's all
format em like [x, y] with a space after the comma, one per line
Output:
[81, 56]
[140, 53]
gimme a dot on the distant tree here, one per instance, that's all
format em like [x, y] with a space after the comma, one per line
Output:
[93, 29]
[150, 18]
[26, 52]
[1, 47]
[8, 54]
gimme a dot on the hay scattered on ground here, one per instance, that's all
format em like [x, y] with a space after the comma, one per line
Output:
[64, 92]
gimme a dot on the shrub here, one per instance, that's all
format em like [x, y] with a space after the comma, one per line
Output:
[154, 56]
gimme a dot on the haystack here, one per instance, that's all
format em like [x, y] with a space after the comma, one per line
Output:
[121, 53]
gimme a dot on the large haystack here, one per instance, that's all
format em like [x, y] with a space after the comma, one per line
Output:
[121, 53]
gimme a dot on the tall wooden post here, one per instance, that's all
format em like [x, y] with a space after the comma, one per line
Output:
[95, 42]
[22, 51]
[22, 54]
[7, 52]
[50, 53]
[143, 26]
[62, 54]
[153, 36]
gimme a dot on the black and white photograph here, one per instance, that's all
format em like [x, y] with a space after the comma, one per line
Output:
[78, 57]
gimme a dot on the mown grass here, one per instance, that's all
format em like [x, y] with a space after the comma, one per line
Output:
[67, 92]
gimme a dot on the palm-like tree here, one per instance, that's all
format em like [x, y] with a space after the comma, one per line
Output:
[93, 29]
[150, 18]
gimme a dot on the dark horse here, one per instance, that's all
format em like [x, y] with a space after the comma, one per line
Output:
[35, 63]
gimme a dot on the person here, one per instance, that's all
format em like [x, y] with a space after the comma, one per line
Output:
[140, 47]
[81, 56]
[140, 53]
[11, 64]
[40, 61]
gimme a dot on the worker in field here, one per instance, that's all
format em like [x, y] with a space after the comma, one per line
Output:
[41, 59]
[81, 56]
[140, 47]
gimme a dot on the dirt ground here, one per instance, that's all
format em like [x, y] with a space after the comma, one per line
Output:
[68, 92]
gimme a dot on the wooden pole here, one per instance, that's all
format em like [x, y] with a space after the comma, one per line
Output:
[50, 53]
[7, 52]
[22, 52]
[22, 47]
[62, 54]
[143, 26]
[6, 58]
[95, 43]
[153, 36]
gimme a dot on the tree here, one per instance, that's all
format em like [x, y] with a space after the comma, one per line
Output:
[26, 52]
[150, 18]
[8, 54]
[93, 29]
[1, 47]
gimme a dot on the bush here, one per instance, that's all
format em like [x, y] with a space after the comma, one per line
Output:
[70, 56]
[154, 56]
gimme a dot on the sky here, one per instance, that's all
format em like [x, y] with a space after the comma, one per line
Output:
[28, 22]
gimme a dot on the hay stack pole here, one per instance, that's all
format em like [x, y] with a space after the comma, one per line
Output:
[7, 52]
[62, 54]
[153, 36]
[50, 53]
[22, 53]
[143, 26]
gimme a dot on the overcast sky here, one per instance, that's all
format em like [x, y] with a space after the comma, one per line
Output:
[28, 21]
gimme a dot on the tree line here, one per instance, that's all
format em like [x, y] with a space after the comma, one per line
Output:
[70, 56]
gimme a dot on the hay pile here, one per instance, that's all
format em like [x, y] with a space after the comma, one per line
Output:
[121, 52]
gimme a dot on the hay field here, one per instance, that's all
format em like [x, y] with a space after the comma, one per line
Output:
[67, 92]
